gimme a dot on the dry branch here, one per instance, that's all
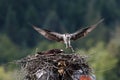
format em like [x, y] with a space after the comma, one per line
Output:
[56, 66]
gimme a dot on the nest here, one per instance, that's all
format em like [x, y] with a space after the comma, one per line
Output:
[55, 66]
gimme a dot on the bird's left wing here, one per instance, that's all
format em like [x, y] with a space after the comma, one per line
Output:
[49, 34]
[83, 32]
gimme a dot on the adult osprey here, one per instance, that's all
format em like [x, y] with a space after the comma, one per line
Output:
[67, 36]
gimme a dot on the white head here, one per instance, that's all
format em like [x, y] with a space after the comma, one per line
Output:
[67, 36]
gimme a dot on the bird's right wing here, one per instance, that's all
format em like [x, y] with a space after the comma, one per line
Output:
[49, 34]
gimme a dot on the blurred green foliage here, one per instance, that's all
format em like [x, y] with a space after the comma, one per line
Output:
[18, 39]
[7, 49]
[5, 75]
[100, 59]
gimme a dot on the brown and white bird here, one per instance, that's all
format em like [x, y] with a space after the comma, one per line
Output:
[67, 37]
[52, 51]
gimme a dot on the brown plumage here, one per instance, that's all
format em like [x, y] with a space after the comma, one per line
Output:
[52, 51]
[66, 37]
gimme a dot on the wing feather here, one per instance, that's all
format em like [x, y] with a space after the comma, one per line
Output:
[83, 32]
[49, 34]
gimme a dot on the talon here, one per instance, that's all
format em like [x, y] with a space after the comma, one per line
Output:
[72, 49]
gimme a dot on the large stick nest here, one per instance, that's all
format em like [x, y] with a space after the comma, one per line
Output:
[55, 66]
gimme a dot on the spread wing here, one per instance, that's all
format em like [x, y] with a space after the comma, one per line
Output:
[49, 34]
[83, 32]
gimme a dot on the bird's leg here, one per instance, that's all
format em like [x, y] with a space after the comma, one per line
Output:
[72, 49]
[70, 46]
[66, 45]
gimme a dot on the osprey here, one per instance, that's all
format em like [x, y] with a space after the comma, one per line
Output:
[52, 51]
[67, 37]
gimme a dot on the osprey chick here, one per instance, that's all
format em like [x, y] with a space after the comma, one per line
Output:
[67, 37]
